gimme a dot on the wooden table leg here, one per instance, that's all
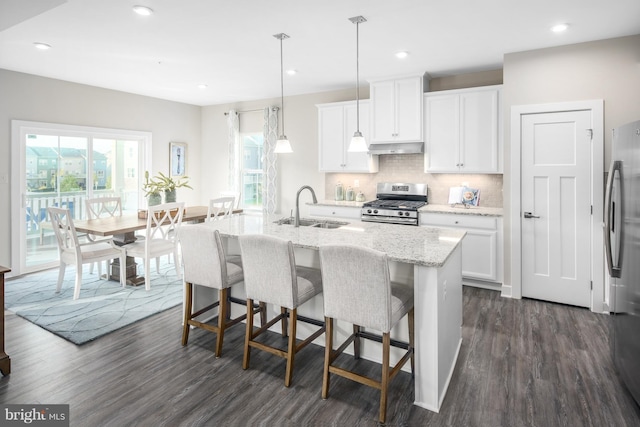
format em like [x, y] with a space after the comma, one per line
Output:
[131, 267]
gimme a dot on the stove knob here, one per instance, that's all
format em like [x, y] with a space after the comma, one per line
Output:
[406, 214]
[375, 211]
[369, 211]
[400, 213]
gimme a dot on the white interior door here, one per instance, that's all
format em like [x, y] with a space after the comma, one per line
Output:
[556, 207]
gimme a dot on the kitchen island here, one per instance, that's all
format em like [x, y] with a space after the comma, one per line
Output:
[429, 259]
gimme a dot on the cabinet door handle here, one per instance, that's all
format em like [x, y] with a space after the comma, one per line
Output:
[530, 215]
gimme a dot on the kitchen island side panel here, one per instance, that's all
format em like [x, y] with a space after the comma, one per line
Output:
[438, 317]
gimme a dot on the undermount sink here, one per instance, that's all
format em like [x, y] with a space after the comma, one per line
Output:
[310, 222]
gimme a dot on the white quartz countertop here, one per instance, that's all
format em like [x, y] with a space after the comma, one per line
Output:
[338, 203]
[461, 210]
[426, 246]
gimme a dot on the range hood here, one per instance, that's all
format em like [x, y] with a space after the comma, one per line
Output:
[396, 148]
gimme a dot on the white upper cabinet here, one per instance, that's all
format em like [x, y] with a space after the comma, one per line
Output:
[463, 131]
[336, 124]
[396, 110]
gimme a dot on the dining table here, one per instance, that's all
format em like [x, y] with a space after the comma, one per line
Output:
[123, 231]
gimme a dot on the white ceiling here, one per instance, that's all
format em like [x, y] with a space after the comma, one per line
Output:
[230, 47]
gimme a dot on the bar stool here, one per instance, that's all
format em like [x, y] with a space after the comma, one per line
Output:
[357, 289]
[205, 264]
[272, 276]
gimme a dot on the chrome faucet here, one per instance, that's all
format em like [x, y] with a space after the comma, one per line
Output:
[313, 194]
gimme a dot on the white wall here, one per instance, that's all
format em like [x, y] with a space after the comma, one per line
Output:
[28, 97]
[605, 69]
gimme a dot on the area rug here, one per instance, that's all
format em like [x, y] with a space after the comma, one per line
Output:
[103, 307]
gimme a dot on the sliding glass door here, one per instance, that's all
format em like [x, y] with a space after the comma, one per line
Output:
[63, 166]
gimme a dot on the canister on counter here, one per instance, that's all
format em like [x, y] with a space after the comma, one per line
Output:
[350, 195]
[339, 191]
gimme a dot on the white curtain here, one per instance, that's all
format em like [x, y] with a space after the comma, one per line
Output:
[269, 163]
[235, 180]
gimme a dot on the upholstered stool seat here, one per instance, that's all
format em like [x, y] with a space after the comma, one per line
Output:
[271, 276]
[357, 289]
[205, 264]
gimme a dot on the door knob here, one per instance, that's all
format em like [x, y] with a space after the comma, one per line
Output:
[529, 215]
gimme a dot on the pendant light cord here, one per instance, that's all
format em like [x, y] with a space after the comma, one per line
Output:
[282, 85]
[358, 77]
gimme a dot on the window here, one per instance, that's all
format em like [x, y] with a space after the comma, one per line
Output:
[252, 172]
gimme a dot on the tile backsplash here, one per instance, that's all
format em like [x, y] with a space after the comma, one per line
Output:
[410, 168]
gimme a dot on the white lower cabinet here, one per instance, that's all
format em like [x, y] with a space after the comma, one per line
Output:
[343, 212]
[481, 248]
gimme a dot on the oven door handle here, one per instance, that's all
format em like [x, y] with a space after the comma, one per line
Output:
[389, 220]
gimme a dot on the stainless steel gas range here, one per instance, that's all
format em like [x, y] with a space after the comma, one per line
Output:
[396, 203]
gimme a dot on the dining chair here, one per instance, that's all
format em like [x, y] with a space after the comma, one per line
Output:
[235, 195]
[206, 264]
[219, 208]
[102, 207]
[271, 276]
[357, 289]
[161, 238]
[73, 252]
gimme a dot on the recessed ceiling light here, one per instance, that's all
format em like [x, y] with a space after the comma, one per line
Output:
[559, 28]
[202, 86]
[41, 46]
[292, 72]
[142, 10]
[402, 54]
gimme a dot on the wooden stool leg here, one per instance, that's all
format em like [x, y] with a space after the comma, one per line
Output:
[283, 312]
[263, 314]
[412, 340]
[291, 350]
[228, 305]
[223, 316]
[356, 342]
[248, 334]
[384, 386]
[187, 312]
[328, 348]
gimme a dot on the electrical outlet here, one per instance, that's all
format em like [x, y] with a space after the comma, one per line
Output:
[356, 183]
[4, 178]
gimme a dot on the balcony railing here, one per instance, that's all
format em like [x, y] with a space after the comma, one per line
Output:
[37, 204]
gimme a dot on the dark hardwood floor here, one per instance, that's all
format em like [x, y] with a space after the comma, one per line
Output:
[522, 363]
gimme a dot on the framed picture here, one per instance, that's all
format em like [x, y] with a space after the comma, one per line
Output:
[177, 159]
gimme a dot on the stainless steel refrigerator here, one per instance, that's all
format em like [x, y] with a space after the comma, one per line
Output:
[622, 249]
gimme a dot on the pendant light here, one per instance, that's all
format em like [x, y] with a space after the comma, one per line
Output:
[282, 144]
[358, 143]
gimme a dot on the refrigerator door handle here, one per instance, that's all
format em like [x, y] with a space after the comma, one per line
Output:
[609, 220]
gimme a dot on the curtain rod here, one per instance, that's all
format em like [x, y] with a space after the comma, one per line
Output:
[253, 111]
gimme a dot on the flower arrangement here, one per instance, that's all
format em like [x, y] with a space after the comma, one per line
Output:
[167, 183]
[161, 183]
